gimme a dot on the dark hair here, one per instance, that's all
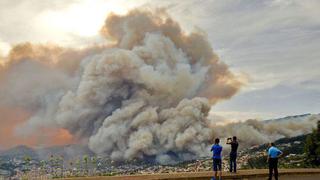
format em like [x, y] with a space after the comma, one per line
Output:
[272, 144]
[216, 141]
[234, 138]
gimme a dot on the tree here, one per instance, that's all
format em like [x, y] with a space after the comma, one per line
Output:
[78, 165]
[27, 160]
[43, 166]
[312, 147]
[94, 164]
[86, 161]
[61, 164]
[51, 164]
[71, 167]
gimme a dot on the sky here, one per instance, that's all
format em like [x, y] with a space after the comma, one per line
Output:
[274, 44]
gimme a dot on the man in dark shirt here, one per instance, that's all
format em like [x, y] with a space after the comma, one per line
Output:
[233, 154]
[216, 156]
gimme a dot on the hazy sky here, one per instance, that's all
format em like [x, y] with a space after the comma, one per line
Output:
[275, 43]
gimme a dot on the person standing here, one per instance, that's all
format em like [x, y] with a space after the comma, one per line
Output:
[273, 155]
[233, 154]
[216, 151]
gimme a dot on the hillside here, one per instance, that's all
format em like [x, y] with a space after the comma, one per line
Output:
[293, 154]
[66, 151]
[300, 117]
[79, 160]
[19, 152]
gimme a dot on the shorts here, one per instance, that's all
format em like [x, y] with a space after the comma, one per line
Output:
[216, 164]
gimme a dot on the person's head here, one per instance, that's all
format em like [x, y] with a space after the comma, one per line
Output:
[271, 144]
[216, 141]
[234, 138]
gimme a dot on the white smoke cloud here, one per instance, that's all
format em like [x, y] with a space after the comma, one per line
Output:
[138, 98]
[255, 132]
[147, 95]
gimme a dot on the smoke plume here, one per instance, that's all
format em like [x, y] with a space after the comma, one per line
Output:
[254, 132]
[146, 95]
[143, 97]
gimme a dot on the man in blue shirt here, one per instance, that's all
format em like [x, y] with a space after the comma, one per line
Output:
[216, 151]
[273, 155]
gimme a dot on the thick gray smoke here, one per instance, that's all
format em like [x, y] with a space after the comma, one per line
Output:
[148, 95]
[254, 132]
[140, 97]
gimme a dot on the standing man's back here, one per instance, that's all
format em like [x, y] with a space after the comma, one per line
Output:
[273, 155]
[217, 164]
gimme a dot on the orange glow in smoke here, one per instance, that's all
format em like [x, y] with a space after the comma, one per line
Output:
[11, 118]
[59, 136]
